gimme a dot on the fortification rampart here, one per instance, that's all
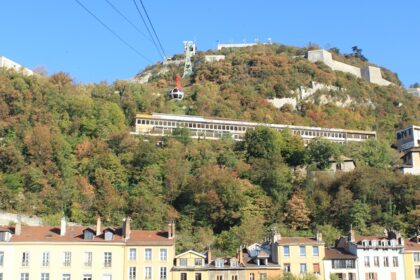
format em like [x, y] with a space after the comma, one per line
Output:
[371, 74]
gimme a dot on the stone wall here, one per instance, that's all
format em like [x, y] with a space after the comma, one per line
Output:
[7, 218]
[371, 74]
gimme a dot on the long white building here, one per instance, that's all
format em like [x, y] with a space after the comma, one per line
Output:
[10, 64]
[213, 128]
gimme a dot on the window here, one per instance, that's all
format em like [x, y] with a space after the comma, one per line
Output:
[286, 251]
[316, 268]
[386, 262]
[25, 259]
[183, 262]
[132, 273]
[251, 276]
[66, 277]
[376, 261]
[24, 276]
[302, 250]
[133, 254]
[148, 272]
[148, 254]
[343, 264]
[2, 236]
[163, 254]
[371, 276]
[417, 272]
[416, 257]
[234, 277]
[367, 261]
[1, 258]
[219, 277]
[315, 251]
[45, 276]
[87, 276]
[88, 259]
[263, 276]
[286, 267]
[183, 276]
[303, 268]
[1, 276]
[106, 277]
[109, 235]
[163, 273]
[107, 259]
[197, 276]
[67, 259]
[219, 263]
[45, 259]
[88, 234]
[395, 261]
[198, 262]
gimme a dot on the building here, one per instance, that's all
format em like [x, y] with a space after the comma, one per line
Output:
[78, 252]
[414, 91]
[408, 142]
[299, 255]
[412, 258]
[233, 45]
[345, 164]
[214, 57]
[378, 257]
[340, 263]
[10, 64]
[371, 74]
[253, 262]
[213, 129]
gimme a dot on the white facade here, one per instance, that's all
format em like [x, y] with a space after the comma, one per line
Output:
[350, 273]
[414, 91]
[10, 64]
[214, 57]
[243, 45]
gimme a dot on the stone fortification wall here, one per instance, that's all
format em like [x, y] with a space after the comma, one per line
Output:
[371, 74]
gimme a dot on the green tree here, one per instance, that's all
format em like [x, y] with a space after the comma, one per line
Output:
[263, 142]
[360, 215]
[320, 152]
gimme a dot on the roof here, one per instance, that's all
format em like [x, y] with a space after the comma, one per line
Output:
[75, 234]
[410, 245]
[342, 158]
[334, 254]
[192, 252]
[298, 241]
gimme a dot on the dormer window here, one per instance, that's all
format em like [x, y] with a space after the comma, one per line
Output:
[374, 243]
[233, 262]
[109, 234]
[365, 243]
[88, 234]
[219, 263]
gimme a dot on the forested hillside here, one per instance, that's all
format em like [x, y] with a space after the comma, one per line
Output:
[65, 148]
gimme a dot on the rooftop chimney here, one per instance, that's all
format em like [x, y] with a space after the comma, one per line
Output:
[240, 255]
[18, 227]
[171, 229]
[98, 226]
[318, 235]
[126, 228]
[208, 255]
[63, 226]
[351, 234]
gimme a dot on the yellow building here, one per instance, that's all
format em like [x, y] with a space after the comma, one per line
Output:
[190, 265]
[78, 252]
[412, 258]
[300, 255]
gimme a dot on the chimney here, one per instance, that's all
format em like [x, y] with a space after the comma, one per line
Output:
[351, 234]
[171, 229]
[318, 235]
[18, 227]
[240, 255]
[63, 226]
[98, 226]
[208, 255]
[126, 228]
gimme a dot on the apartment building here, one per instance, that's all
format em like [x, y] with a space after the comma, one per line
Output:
[340, 263]
[300, 255]
[77, 252]
[412, 258]
[378, 257]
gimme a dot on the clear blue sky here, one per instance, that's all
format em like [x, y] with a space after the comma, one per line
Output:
[61, 36]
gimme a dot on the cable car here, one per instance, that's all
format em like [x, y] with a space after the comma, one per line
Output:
[176, 93]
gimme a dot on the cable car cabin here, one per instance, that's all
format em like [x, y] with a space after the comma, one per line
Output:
[176, 94]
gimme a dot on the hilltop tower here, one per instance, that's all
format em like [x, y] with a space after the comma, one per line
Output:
[189, 51]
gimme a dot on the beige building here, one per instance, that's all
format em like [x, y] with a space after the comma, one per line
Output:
[412, 258]
[340, 263]
[78, 252]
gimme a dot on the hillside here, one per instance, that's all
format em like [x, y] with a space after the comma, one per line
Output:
[65, 148]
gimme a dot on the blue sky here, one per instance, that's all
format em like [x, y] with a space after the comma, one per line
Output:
[60, 36]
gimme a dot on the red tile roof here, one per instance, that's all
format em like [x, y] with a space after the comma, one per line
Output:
[337, 254]
[75, 234]
[410, 245]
